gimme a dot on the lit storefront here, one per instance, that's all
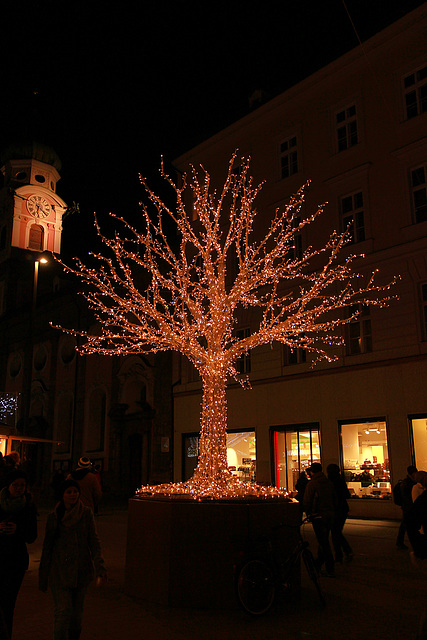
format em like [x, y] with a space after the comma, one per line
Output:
[418, 425]
[241, 454]
[295, 448]
[366, 464]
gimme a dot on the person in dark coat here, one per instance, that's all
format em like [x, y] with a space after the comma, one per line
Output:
[406, 503]
[339, 541]
[18, 527]
[319, 505]
[71, 557]
[90, 488]
[300, 486]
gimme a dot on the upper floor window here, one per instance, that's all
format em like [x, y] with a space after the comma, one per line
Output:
[346, 122]
[424, 308]
[353, 217]
[419, 194]
[294, 356]
[35, 240]
[243, 364]
[359, 332]
[415, 93]
[288, 157]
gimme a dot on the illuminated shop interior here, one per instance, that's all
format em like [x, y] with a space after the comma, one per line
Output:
[365, 459]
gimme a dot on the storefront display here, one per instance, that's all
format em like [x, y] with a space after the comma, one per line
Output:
[365, 459]
[295, 449]
[241, 454]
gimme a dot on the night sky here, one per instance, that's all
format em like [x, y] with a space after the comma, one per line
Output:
[112, 87]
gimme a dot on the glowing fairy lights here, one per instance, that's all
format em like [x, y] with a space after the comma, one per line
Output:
[150, 292]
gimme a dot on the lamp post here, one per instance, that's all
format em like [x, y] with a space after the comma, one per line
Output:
[38, 260]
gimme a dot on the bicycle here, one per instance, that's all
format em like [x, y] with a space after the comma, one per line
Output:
[262, 574]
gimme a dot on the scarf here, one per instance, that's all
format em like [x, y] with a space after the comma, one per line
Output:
[9, 504]
[71, 517]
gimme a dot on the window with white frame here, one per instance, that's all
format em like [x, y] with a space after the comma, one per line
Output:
[415, 92]
[353, 217]
[243, 364]
[359, 331]
[346, 123]
[419, 194]
[424, 308]
[288, 157]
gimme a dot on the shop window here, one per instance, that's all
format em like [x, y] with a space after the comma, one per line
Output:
[241, 454]
[419, 194]
[365, 458]
[295, 448]
[418, 425]
[288, 157]
[346, 123]
[352, 216]
[415, 93]
[359, 331]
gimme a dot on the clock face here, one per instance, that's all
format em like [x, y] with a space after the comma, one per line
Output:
[38, 206]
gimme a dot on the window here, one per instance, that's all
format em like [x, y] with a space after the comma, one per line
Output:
[35, 240]
[419, 194]
[346, 128]
[424, 309]
[97, 412]
[288, 157]
[3, 235]
[365, 458]
[352, 216]
[243, 364]
[241, 454]
[419, 431]
[294, 356]
[64, 427]
[359, 333]
[296, 447]
[415, 93]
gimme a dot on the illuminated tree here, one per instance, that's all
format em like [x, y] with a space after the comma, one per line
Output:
[196, 285]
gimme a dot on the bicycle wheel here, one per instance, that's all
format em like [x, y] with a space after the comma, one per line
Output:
[313, 574]
[256, 587]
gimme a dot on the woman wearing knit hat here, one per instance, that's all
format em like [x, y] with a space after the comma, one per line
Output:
[18, 526]
[90, 490]
[71, 558]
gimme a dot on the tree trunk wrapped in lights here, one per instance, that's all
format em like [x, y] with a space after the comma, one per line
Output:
[191, 299]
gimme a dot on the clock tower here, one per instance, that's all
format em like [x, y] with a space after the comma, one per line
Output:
[30, 210]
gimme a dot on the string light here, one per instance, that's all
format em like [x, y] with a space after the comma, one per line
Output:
[149, 296]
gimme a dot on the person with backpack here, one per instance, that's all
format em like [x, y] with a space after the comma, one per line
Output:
[402, 495]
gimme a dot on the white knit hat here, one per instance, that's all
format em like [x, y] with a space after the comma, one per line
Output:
[84, 463]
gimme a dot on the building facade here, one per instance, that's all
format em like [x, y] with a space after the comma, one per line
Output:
[56, 405]
[357, 129]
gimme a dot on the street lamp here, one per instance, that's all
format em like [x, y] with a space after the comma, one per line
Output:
[39, 259]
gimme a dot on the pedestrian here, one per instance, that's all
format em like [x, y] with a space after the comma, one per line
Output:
[18, 527]
[339, 541]
[300, 486]
[71, 558]
[420, 484]
[90, 489]
[402, 494]
[319, 505]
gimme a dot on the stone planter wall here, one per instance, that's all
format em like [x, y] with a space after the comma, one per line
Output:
[181, 552]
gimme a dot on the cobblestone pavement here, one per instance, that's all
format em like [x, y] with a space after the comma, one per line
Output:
[378, 595]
